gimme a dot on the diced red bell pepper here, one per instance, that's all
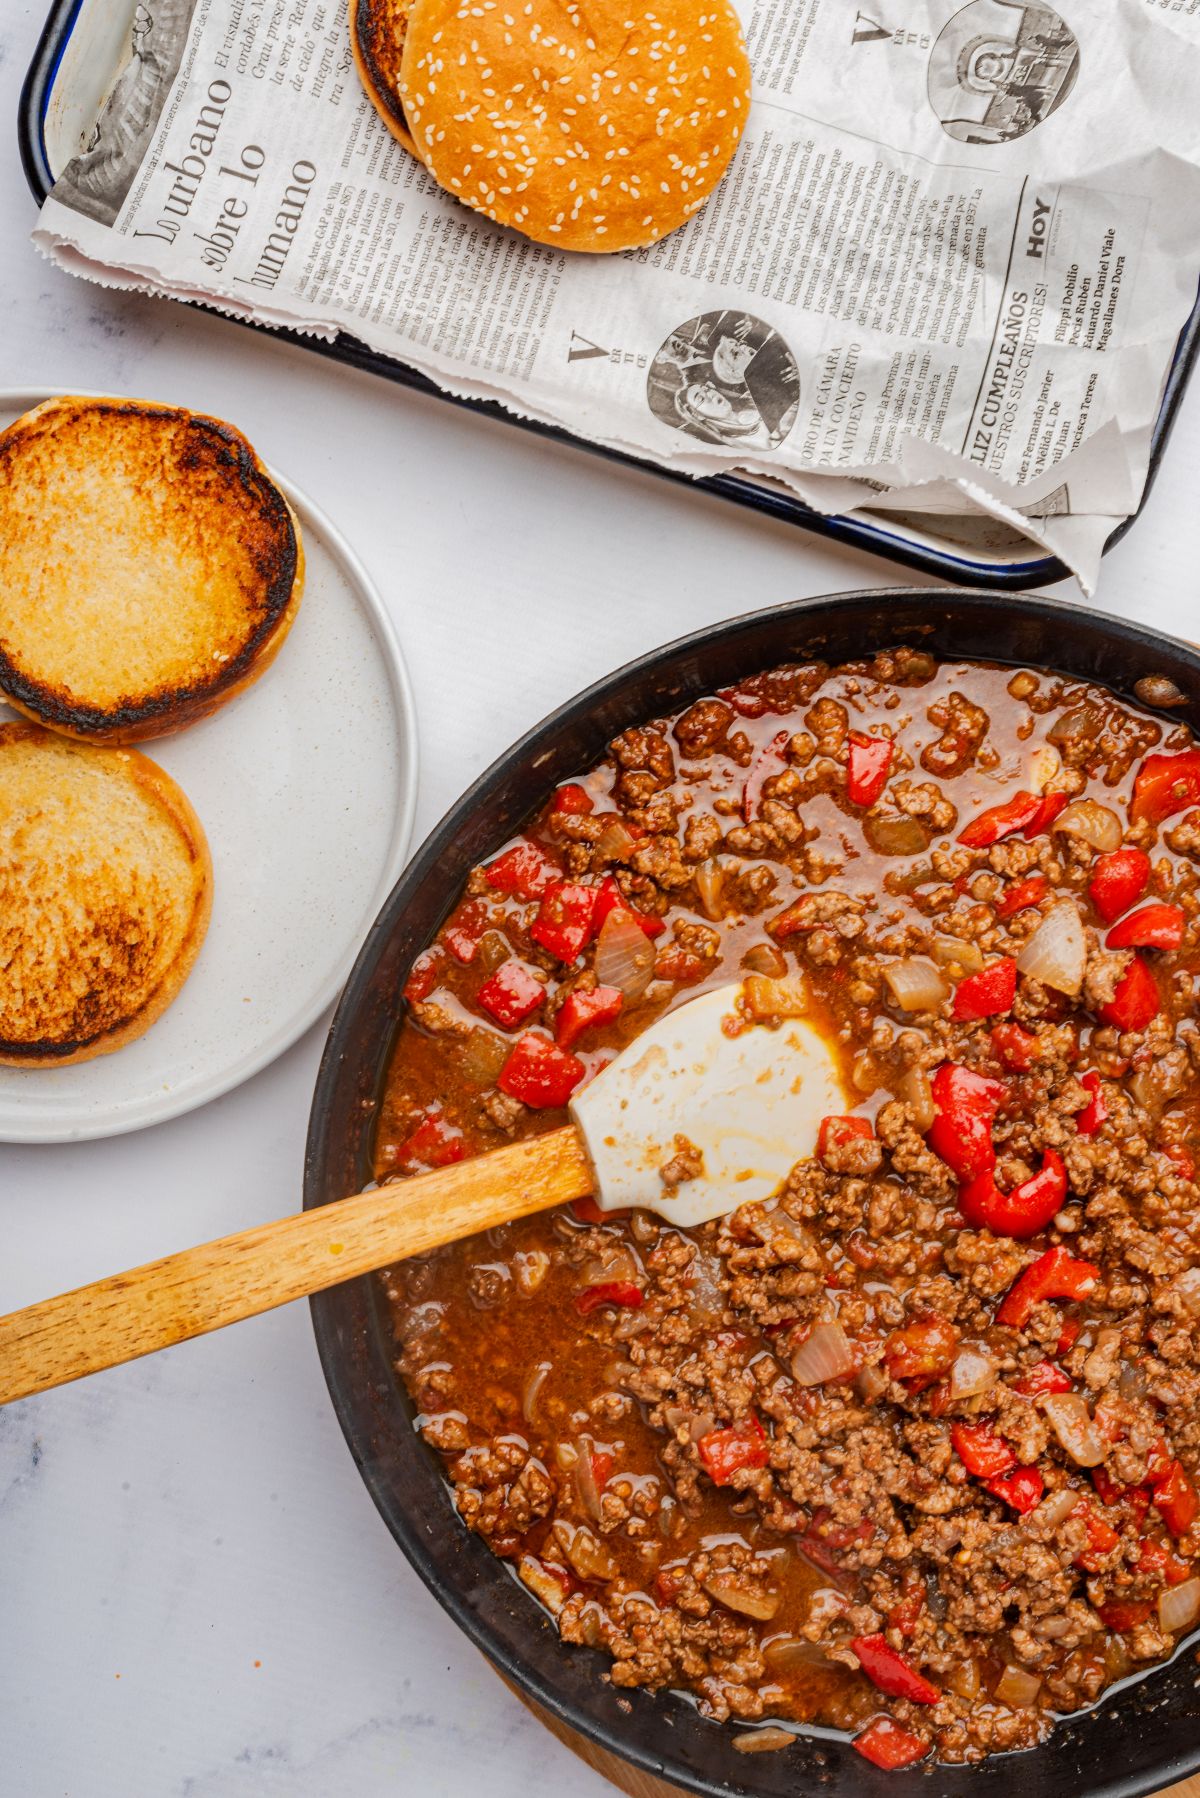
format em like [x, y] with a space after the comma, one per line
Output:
[1068, 1336]
[1054, 1275]
[1016, 1049]
[836, 1132]
[886, 1745]
[1158, 1462]
[610, 898]
[539, 1073]
[867, 766]
[725, 1452]
[1101, 1537]
[1022, 1489]
[573, 799]
[621, 1293]
[579, 1011]
[1153, 927]
[1174, 1498]
[465, 928]
[434, 1143]
[1135, 1000]
[981, 1451]
[1165, 784]
[1118, 881]
[1022, 1212]
[922, 1349]
[1121, 1615]
[1017, 813]
[566, 919]
[990, 991]
[961, 1133]
[888, 1670]
[424, 976]
[1135, 1498]
[602, 1467]
[905, 1616]
[1047, 812]
[1021, 894]
[1043, 1376]
[770, 760]
[1155, 1558]
[1094, 1113]
[525, 870]
[512, 994]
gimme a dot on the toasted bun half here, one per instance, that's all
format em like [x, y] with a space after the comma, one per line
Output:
[586, 126]
[105, 895]
[377, 31]
[149, 567]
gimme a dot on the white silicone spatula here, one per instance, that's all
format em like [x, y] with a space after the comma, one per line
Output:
[748, 1099]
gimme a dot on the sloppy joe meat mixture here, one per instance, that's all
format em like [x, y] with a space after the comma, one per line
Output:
[911, 1450]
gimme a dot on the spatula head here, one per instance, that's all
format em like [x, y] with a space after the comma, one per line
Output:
[746, 1101]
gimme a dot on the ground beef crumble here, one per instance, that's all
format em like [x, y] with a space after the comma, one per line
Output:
[733, 1458]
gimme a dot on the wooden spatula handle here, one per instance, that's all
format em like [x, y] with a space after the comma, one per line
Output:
[221, 1282]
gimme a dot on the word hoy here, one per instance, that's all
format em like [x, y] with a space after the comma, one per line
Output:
[1039, 229]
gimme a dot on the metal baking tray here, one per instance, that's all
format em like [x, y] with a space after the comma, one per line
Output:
[60, 88]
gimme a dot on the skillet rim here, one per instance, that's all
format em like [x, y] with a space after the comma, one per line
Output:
[829, 1758]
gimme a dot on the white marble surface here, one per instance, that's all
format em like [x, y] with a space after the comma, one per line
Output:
[198, 1598]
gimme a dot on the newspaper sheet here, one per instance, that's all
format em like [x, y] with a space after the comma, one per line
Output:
[942, 281]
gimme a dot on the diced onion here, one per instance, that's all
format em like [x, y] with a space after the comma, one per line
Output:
[482, 1056]
[871, 1382]
[624, 954]
[1179, 1606]
[738, 1595]
[532, 1390]
[952, 951]
[825, 1354]
[765, 958]
[974, 1371]
[1094, 822]
[1056, 952]
[763, 1741]
[616, 840]
[1016, 1686]
[767, 998]
[543, 1584]
[1071, 1421]
[963, 1678]
[584, 1476]
[1159, 690]
[915, 984]
[896, 836]
[706, 1295]
[1055, 1508]
[696, 1423]
[783, 1652]
[1081, 721]
[589, 1558]
[915, 1088]
[709, 881]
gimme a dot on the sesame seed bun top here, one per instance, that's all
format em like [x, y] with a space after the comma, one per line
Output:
[377, 29]
[586, 124]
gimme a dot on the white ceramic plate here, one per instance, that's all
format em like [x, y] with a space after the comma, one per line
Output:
[306, 786]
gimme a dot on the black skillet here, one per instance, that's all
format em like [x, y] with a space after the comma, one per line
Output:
[1147, 1733]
